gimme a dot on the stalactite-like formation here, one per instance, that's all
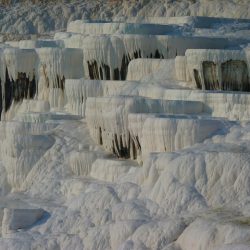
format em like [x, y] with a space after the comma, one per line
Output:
[104, 71]
[235, 76]
[197, 79]
[210, 76]
[116, 122]
[60, 83]
[135, 147]
[19, 89]
[225, 70]
[8, 91]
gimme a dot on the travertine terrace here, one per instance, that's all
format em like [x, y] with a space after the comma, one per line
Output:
[128, 132]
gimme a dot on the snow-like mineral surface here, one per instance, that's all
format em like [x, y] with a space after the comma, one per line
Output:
[125, 125]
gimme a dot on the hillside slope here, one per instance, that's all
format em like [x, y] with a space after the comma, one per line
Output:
[23, 17]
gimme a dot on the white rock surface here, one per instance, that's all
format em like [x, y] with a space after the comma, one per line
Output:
[139, 68]
[149, 162]
[26, 18]
[109, 124]
[210, 234]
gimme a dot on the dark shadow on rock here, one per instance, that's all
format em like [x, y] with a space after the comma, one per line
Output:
[46, 215]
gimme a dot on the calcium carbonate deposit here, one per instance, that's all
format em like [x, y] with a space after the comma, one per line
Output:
[125, 125]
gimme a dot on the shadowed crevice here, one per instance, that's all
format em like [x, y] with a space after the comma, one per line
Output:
[235, 76]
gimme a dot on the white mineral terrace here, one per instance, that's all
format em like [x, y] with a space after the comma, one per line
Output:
[127, 135]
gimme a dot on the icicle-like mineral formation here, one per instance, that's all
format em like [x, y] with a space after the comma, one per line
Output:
[219, 69]
[107, 119]
[18, 76]
[56, 65]
[108, 56]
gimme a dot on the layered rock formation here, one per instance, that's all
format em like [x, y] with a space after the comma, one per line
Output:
[126, 136]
